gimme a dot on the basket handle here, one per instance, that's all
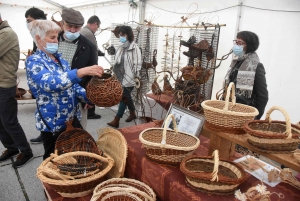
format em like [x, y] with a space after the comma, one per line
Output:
[230, 91]
[288, 130]
[163, 141]
[214, 174]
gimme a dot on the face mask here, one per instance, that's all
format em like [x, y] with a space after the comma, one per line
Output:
[238, 50]
[123, 39]
[51, 47]
[72, 36]
[27, 25]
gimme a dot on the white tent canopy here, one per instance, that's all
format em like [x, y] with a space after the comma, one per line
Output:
[274, 21]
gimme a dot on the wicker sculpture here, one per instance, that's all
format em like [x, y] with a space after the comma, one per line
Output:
[123, 189]
[211, 175]
[273, 136]
[168, 146]
[227, 116]
[105, 91]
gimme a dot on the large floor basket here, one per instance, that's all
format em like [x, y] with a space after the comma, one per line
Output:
[168, 146]
[228, 116]
[211, 175]
[121, 189]
[273, 136]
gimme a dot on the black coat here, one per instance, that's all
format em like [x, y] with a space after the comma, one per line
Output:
[85, 55]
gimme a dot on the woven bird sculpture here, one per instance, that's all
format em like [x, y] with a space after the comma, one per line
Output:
[167, 88]
[155, 87]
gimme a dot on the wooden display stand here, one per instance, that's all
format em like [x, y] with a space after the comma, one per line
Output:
[225, 143]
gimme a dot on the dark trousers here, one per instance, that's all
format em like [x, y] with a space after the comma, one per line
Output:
[49, 143]
[12, 134]
[126, 101]
[91, 111]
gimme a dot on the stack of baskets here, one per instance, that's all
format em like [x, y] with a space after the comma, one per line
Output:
[168, 146]
[211, 175]
[273, 136]
[120, 189]
[227, 116]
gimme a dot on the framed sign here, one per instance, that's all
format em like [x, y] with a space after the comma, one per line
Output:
[187, 121]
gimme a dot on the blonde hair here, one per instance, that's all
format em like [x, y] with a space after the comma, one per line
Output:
[41, 28]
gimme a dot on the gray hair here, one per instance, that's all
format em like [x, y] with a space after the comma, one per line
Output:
[41, 28]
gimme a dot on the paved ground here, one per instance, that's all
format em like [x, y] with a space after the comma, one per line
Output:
[22, 184]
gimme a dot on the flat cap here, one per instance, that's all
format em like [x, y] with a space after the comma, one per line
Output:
[72, 17]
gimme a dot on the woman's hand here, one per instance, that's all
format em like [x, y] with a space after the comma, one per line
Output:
[94, 70]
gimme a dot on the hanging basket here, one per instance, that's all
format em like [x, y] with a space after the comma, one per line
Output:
[211, 175]
[105, 91]
[122, 189]
[168, 146]
[227, 116]
[273, 136]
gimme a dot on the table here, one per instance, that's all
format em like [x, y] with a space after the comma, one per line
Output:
[169, 182]
[225, 143]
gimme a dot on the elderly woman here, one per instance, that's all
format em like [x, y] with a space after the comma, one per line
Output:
[247, 73]
[53, 84]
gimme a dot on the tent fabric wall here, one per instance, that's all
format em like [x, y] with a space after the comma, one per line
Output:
[278, 33]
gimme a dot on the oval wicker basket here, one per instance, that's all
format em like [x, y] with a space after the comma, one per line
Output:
[66, 186]
[211, 175]
[105, 91]
[227, 116]
[273, 136]
[119, 189]
[168, 146]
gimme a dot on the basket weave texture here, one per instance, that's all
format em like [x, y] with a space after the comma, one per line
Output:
[112, 142]
[105, 91]
[120, 189]
[228, 116]
[168, 146]
[273, 136]
[68, 186]
[211, 175]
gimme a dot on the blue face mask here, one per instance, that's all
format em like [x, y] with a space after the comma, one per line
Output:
[27, 25]
[51, 47]
[72, 36]
[238, 50]
[123, 39]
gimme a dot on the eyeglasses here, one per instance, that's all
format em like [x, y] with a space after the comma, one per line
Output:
[28, 20]
[239, 43]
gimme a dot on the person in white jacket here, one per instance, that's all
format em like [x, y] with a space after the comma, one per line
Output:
[128, 62]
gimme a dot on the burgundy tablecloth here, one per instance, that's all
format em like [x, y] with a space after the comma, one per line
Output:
[163, 100]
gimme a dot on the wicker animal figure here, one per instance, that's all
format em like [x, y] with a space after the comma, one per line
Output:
[155, 87]
[167, 88]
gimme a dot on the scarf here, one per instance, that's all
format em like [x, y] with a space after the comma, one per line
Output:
[120, 52]
[244, 80]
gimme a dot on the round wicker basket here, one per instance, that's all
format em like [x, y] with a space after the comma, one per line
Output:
[211, 175]
[228, 116]
[168, 146]
[67, 186]
[119, 189]
[105, 91]
[273, 136]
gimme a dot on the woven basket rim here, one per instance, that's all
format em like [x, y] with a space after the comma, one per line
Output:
[271, 135]
[229, 112]
[167, 146]
[188, 173]
[44, 179]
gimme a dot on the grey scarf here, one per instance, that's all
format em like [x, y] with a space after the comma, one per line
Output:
[119, 61]
[246, 74]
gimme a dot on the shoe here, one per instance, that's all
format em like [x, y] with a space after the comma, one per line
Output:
[131, 116]
[22, 159]
[115, 122]
[8, 154]
[37, 140]
[94, 116]
[201, 46]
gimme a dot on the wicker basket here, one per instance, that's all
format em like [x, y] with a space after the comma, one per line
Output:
[105, 91]
[67, 186]
[227, 116]
[211, 175]
[273, 136]
[123, 189]
[168, 146]
[113, 143]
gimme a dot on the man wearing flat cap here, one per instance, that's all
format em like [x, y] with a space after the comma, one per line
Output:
[76, 49]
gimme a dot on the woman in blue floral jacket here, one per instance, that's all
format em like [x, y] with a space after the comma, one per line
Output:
[53, 83]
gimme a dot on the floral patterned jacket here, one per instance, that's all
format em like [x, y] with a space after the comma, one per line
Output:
[56, 89]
